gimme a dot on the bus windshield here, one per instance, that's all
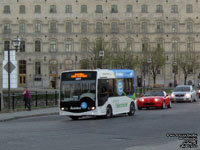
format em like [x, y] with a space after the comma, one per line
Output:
[76, 90]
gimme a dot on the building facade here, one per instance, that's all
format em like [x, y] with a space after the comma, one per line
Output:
[55, 34]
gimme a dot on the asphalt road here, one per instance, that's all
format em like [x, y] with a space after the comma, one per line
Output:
[145, 131]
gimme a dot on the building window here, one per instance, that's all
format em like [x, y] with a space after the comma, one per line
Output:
[22, 67]
[22, 28]
[37, 9]
[174, 27]
[114, 9]
[83, 27]
[175, 45]
[160, 27]
[144, 27]
[22, 46]
[190, 45]
[37, 68]
[7, 28]
[37, 46]
[99, 27]
[53, 9]
[99, 9]
[83, 8]
[53, 27]
[159, 8]
[129, 8]
[22, 9]
[52, 46]
[145, 44]
[129, 27]
[114, 45]
[68, 8]
[84, 45]
[69, 45]
[6, 9]
[189, 27]
[189, 8]
[6, 45]
[160, 43]
[69, 27]
[144, 9]
[129, 45]
[37, 27]
[174, 9]
[114, 27]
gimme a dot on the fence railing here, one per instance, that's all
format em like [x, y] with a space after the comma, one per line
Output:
[39, 99]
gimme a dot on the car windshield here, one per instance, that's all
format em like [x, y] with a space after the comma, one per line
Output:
[154, 93]
[181, 89]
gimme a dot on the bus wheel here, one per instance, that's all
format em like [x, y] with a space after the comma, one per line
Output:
[74, 117]
[132, 109]
[108, 111]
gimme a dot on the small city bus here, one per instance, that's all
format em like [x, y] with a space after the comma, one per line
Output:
[101, 92]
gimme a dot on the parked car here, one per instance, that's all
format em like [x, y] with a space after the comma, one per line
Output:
[154, 99]
[184, 93]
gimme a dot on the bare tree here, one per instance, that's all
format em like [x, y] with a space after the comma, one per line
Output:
[157, 57]
[93, 59]
[187, 62]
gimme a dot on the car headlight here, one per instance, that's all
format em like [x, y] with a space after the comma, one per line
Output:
[199, 91]
[187, 95]
[172, 95]
[142, 100]
[156, 100]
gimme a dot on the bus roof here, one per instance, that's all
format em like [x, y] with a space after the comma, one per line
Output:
[110, 73]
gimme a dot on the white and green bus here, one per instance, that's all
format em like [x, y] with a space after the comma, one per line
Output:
[101, 92]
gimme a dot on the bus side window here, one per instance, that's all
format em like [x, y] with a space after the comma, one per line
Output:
[103, 93]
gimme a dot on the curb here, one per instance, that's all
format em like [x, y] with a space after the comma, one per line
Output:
[28, 116]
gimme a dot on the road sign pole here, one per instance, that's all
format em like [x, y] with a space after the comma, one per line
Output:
[9, 107]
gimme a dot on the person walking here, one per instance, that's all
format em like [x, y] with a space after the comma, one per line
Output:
[27, 98]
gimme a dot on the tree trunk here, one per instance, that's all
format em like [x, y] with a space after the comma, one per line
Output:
[185, 79]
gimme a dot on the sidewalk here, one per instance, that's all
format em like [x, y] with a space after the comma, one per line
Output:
[26, 114]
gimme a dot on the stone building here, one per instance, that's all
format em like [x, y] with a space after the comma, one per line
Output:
[55, 34]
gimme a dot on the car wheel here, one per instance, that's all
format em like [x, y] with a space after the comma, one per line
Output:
[74, 117]
[108, 111]
[170, 105]
[132, 109]
[163, 105]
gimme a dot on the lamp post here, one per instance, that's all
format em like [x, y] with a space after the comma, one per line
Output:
[16, 43]
[101, 54]
[174, 68]
[149, 62]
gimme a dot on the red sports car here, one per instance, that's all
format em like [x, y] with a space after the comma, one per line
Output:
[154, 99]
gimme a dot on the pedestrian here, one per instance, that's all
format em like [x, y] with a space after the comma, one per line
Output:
[27, 98]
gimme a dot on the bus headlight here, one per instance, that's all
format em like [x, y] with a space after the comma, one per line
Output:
[62, 108]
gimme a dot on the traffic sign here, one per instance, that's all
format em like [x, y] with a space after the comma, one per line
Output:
[12, 67]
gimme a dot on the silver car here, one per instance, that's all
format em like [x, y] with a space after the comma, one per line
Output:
[184, 93]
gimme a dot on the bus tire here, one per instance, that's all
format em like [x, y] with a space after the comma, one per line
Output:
[74, 117]
[108, 111]
[132, 109]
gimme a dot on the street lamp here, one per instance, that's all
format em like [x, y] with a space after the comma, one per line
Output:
[149, 62]
[101, 54]
[174, 69]
[16, 43]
